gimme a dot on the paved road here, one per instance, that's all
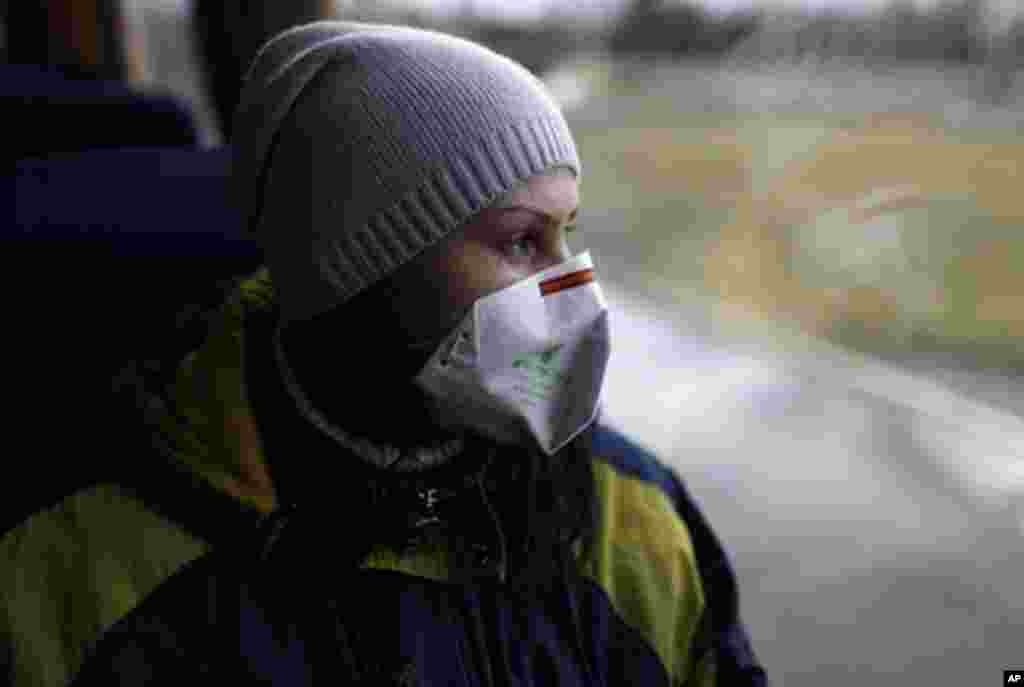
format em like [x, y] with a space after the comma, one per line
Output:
[875, 516]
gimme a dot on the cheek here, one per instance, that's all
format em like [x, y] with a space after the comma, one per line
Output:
[480, 275]
[462, 274]
[434, 301]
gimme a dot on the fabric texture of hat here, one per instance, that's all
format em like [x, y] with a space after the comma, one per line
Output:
[360, 145]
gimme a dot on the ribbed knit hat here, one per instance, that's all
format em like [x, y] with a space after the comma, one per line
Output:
[357, 146]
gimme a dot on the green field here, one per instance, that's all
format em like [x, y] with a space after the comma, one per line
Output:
[890, 234]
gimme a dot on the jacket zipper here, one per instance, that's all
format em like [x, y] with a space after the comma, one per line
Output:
[490, 673]
[502, 564]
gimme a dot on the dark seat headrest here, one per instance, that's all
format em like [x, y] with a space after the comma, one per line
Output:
[139, 202]
[48, 110]
[106, 246]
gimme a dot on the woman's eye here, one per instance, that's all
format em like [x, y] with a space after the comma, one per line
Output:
[528, 245]
[521, 248]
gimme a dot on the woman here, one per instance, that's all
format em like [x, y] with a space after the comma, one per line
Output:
[407, 400]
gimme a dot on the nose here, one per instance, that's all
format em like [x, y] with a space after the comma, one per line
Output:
[556, 251]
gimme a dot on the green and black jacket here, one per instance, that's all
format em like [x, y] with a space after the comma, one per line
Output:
[158, 577]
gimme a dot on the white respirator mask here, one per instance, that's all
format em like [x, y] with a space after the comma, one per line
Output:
[527, 363]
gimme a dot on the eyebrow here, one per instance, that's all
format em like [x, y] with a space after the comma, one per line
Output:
[540, 213]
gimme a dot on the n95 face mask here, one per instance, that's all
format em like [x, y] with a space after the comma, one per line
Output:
[527, 363]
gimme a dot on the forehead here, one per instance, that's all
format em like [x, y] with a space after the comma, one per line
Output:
[555, 190]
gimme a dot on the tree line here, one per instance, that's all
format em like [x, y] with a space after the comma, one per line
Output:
[954, 31]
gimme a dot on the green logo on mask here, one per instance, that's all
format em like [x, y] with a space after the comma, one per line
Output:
[541, 359]
[542, 378]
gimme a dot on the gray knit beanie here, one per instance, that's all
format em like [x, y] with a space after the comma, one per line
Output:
[357, 146]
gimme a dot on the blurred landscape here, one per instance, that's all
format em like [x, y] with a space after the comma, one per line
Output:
[852, 175]
[810, 228]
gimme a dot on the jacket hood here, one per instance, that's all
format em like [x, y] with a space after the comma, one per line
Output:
[208, 419]
[224, 414]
